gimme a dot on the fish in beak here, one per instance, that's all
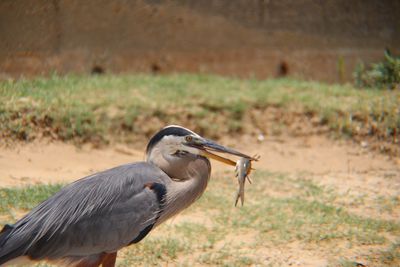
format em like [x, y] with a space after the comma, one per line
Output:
[207, 146]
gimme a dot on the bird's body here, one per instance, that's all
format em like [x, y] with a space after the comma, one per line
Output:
[88, 221]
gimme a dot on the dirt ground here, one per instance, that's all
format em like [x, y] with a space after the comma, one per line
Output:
[340, 164]
[42, 162]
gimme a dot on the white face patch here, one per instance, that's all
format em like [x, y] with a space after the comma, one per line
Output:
[170, 140]
[175, 143]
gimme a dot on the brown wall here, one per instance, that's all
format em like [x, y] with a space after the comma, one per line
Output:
[261, 38]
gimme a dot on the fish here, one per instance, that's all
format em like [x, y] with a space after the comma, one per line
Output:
[243, 169]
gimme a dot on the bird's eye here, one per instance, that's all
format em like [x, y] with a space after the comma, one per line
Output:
[188, 138]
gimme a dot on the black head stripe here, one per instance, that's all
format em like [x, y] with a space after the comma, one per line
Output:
[172, 130]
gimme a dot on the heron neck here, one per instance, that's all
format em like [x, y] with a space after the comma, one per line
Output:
[181, 193]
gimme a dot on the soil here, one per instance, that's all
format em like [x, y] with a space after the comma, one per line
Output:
[340, 164]
[41, 161]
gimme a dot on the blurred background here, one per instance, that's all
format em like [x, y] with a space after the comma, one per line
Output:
[322, 40]
[312, 86]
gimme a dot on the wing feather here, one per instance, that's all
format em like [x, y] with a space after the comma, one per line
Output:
[99, 213]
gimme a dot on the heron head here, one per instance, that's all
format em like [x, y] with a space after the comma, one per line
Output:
[178, 142]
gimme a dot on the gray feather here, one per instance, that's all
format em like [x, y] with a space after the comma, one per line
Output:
[102, 212]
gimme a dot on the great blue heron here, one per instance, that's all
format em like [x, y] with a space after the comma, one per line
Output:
[88, 221]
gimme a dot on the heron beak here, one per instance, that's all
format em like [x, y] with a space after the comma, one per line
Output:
[219, 158]
[206, 146]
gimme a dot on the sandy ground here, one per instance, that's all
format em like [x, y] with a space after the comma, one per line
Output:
[59, 162]
[343, 165]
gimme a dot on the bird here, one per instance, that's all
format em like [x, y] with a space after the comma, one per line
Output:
[89, 220]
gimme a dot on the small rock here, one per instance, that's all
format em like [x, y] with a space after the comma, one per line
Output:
[364, 144]
[260, 137]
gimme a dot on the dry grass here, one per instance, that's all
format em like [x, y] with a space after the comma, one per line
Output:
[286, 220]
[104, 108]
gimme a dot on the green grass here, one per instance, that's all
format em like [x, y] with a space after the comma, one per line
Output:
[154, 251]
[25, 198]
[294, 216]
[14, 201]
[280, 210]
[101, 108]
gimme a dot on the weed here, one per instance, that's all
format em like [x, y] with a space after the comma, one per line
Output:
[280, 209]
[382, 75]
[113, 107]
[25, 197]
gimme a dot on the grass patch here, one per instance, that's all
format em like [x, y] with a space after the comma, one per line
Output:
[26, 197]
[153, 251]
[101, 108]
[391, 256]
[280, 210]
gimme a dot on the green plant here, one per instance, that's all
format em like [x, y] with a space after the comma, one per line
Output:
[385, 74]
